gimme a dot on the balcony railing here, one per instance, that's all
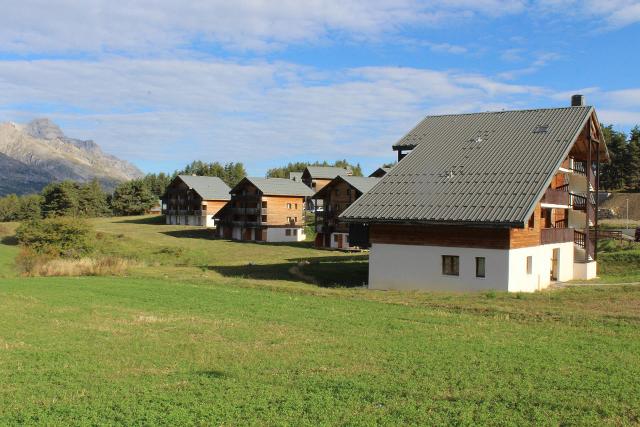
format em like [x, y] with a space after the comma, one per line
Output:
[556, 235]
[556, 197]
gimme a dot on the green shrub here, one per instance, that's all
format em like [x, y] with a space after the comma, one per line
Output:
[57, 237]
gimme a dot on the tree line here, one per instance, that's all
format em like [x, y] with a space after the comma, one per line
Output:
[283, 172]
[623, 172]
[134, 197]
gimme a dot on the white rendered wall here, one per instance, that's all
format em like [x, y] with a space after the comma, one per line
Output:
[540, 277]
[585, 270]
[279, 235]
[236, 233]
[409, 267]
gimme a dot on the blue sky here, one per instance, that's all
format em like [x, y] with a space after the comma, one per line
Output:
[161, 83]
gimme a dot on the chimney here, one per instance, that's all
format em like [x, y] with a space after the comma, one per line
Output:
[577, 100]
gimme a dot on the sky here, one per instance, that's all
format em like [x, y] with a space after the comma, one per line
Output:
[161, 83]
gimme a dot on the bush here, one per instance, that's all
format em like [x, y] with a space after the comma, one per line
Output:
[56, 237]
[30, 263]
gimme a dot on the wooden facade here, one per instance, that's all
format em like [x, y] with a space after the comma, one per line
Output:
[252, 214]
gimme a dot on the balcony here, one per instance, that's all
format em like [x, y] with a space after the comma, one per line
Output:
[556, 235]
[248, 211]
[556, 197]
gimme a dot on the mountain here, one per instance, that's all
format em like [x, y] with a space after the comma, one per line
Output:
[37, 153]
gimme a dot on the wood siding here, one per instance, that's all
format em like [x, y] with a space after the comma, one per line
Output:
[278, 210]
[339, 196]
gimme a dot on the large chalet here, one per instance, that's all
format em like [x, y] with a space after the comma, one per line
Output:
[336, 196]
[265, 210]
[499, 200]
[194, 200]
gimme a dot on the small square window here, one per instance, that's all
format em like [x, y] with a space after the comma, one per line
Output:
[529, 265]
[264, 218]
[288, 205]
[264, 204]
[335, 238]
[450, 265]
[480, 266]
[287, 232]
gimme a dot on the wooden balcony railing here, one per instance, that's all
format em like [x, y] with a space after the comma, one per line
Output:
[556, 235]
[556, 197]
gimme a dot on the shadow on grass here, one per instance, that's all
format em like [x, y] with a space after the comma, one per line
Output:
[212, 373]
[9, 240]
[304, 244]
[203, 233]
[328, 272]
[156, 219]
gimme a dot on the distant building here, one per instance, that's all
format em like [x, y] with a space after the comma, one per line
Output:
[194, 200]
[336, 196]
[265, 210]
[295, 176]
[499, 200]
[380, 172]
[316, 177]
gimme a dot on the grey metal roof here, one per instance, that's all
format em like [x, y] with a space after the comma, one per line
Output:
[360, 183]
[280, 187]
[208, 187]
[326, 172]
[483, 168]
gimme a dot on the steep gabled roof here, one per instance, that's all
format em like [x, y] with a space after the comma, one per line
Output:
[485, 169]
[277, 187]
[380, 172]
[325, 172]
[360, 183]
[208, 187]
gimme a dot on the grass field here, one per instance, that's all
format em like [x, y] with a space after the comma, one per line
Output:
[197, 336]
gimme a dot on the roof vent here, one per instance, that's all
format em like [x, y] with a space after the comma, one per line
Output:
[541, 129]
[577, 100]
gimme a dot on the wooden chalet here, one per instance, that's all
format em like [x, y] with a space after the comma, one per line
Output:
[194, 200]
[336, 196]
[265, 210]
[316, 177]
[499, 200]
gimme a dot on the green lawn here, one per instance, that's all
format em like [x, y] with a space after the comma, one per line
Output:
[195, 336]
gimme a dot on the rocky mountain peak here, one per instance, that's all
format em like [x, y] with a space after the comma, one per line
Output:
[43, 128]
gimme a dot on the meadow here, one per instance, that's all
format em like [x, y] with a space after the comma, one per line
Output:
[203, 331]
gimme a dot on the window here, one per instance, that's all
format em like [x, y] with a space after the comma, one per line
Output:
[529, 264]
[532, 221]
[288, 219]
[313, 185]
[335, 238]
[296, 206]
[337, 192]
[287, 232]
[480, 266]
[264, 218]
[295, 231]
[288, 205]
[450, 265]
[264, 204]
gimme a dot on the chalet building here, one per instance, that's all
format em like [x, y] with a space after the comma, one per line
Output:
[316, 177]
[265, 210]
[498, 200]
[379, 173]
[194, 200]
[336, 196]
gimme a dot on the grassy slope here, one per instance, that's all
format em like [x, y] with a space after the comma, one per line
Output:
[203, 345]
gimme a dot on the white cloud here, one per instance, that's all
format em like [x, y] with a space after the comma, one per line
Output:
[33, 26]
[255, 112]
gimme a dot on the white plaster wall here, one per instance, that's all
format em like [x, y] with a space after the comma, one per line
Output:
[209, 221]
[540, 277]
[236, 233]
[409, 267]
[585, 270]
[345, 241]
[279, 235]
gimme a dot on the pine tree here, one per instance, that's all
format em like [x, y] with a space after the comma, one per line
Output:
[93, 201]
[132, 198]
[612, 176]
[632, 166]
[60, 199]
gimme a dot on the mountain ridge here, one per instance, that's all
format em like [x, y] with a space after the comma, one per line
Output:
[39, 152]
